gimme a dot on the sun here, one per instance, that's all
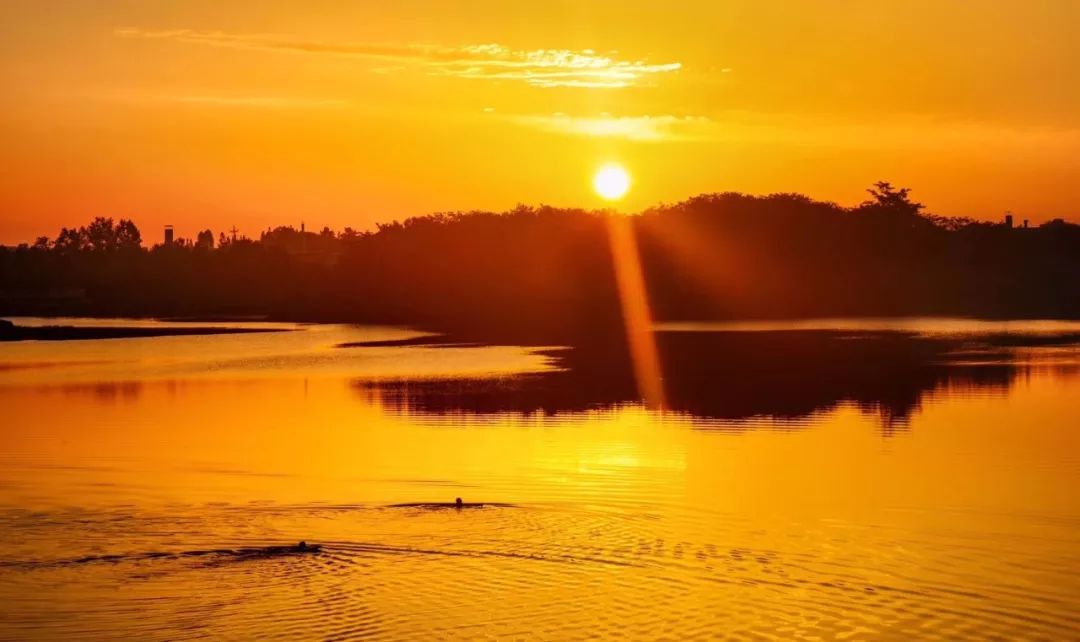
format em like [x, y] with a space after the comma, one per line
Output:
[611, 182]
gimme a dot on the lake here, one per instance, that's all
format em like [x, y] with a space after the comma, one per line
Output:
[853, 479]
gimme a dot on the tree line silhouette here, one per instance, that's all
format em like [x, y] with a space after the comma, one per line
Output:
[546, 274]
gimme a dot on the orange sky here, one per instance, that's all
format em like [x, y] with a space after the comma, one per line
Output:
[212, 114]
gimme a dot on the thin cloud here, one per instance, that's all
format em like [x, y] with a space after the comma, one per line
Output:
[786, 129]
[266, 102]
[540, 68]
[240, 102]
[636, 128]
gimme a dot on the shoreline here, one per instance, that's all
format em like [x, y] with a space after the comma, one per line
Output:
[9, 332]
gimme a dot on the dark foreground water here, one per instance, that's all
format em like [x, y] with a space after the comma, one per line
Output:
[854, 480]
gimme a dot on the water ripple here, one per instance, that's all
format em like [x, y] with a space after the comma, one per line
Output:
[538, 571]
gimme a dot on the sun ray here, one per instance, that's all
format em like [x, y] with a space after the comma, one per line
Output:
[637, 316]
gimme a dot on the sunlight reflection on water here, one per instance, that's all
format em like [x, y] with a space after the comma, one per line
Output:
[127, 502]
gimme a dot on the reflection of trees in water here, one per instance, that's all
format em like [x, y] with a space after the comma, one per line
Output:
[110, 391]
[731, 376]
[895, 407]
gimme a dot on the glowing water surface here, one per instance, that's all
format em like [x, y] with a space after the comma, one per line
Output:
[135, 472]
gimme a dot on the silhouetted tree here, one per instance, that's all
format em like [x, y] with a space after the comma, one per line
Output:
[70, 240]
[885, 195]
[205, 240]
[127, 235]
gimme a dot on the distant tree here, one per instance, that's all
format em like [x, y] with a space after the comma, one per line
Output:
[886, 196]
[1058, 224]
[348, 234]
[70, 240]
[127, 235]
[205, 240]
[953, 223]
[101, 234]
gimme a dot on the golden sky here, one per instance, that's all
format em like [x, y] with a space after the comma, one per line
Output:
[211, 114]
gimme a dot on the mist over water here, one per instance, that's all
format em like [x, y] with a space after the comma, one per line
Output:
[862, 479]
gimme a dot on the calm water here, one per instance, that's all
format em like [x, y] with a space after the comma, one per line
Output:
[793, 489]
